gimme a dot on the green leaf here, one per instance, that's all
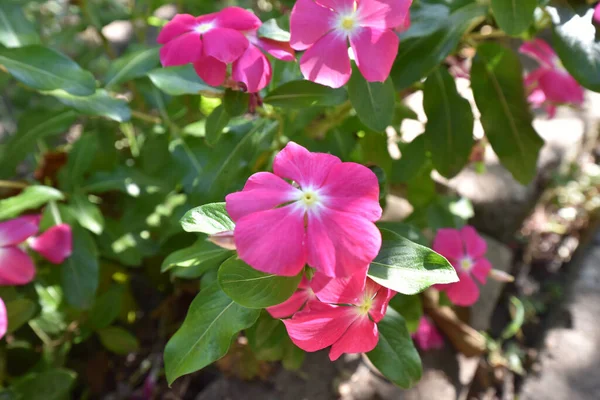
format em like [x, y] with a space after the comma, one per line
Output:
[269, 340]
[271, 30]
[131, 66]
[395, 355]
[205, 336]
[418, 56]
[15, 29]
[407, 267]
[373, 101]
[413, 160]
[118, 340]
[215, 123]
[518, 318]
[577, 43]
[514, 17]
[99, 103]
[235, 102]
[405, 230]
[497, 82]
[79, 161]
[303, 94]
[210, 219]
[31, 198]
[19, 312]
[411, 309]
[80, 272]
[177, 81]
[87, 213]
[449, 130]
[45, 69]
[54, 384]
[106, 308]
[201, 255]
[254, 289]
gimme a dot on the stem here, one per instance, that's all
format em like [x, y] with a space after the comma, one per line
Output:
[129, 132]
[40, 333]
[491, 35]
[13, 185]
[55, 212]
[145, 117]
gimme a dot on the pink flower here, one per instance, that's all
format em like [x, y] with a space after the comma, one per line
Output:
[55, 245]
[302, 296]
[465, 250]
[346, 328]
[3, 319]
[210, 42]
[550, 85]
[324, 27]
[16, 267]
[325, 218]
[253, 67]
[405, 25]
[597, 13]
[427, 335]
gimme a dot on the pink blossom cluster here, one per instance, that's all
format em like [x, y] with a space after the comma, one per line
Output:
[16, 266]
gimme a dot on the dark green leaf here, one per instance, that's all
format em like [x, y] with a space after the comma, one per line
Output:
[269, 340]
[99, 103]
[52, 384]
[514, 17]
[79, 161]
[302, 94]
[411, 309]
[407, 267]
[80, 272]
[177, 81]
[45, 69]
[15, 29]
[373, 101]
[215, 123]
[413, 160]
[395, 355]
[87, 213]
[497, 82]
[30, 198]
[201, 255]
[118, 340]
[210, 219]
[449, 130]
[18, 313]
[205, 336]
[106, 308]
[270, 30]
[235, 102]
[254, 289]
[131, 66]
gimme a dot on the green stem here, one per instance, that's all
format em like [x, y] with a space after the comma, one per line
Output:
[13, 185]
[129, 132]
[55, 212]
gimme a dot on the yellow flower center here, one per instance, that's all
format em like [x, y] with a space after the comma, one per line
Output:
[348, 23]
[466, 264]
[366, 305]
[203, 28]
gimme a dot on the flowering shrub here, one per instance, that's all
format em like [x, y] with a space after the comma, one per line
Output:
[241, 154]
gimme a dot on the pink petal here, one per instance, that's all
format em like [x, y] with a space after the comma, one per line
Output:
[537, 97]
[327, 62]
[541, 51]
[253, 69]
[448, 243]
[308, 23]
[353, 188]
[597, 13]
[280, 50]
[16, 267]
[481, 269]
[18, 230]
[272, 241]
[383, 14]
[55, 245]
[381, 301]
[405, 25]
[3, 319]
[237, 18]
[226, 45]
[560, 87]
[551, 110]
[427, 335]
[305, 168]
[341, 244]
[182, 50]
[339, 290]
[211, 70]
[375, 44]
[291, 305]
[263, 191]
[476, 247]
[340, 6]
[320, 326]
[462, 293]
[361, 337]
[180, 24]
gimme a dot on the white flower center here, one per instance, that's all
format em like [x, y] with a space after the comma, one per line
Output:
[203, 28]
[466, 264]
[347, 22]
[309, 198]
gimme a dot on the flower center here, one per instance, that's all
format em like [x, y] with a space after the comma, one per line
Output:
[366, 305]
[466, 264]
[309, 198]
[203, 28]
[347, 23]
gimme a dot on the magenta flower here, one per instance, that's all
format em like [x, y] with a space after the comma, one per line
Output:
[549, 85]
[301, 297]
[346, 328]
[55, 245]
[3, 319]
[209, 42]
[324, 27]
[465, 250]
[405, 25]
[325, 218]
[16, 267]
[597, 13]
[427, 335]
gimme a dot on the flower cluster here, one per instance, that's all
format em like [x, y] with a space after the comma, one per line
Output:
[211, 42]
[16, 266]
[550, 85]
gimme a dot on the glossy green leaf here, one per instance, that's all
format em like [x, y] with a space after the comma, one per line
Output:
[87, 213]
[269, 341]
[449, 130]
[131, 66]
[302, 94]
[118, 340]
[30, 198]
[215, 123]
[395, 355]
[497, 82]
[15, 29]
[235, 102]
[54, 384]
[201, 255]
[205, 336]
[106, 308]
[407, 267]
[405, 230]
[80, 272]
[514, 17]
[79, 161]
[210, 219]
[254, 289]
[411, 309]
[99, 103]
[177, 81]
[19, 312]
[45, 69]
[271, 30]
[373, 101]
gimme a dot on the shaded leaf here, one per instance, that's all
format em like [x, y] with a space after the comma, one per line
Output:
[30, 198]
[99, 103]
[118, 340]
[373, 101]
[87, 213]
[19, 312]
[514, 17]
[80, 272]
[302, 94]
[54, 384]
[131, 66]
[15, 29]
[215, 123]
